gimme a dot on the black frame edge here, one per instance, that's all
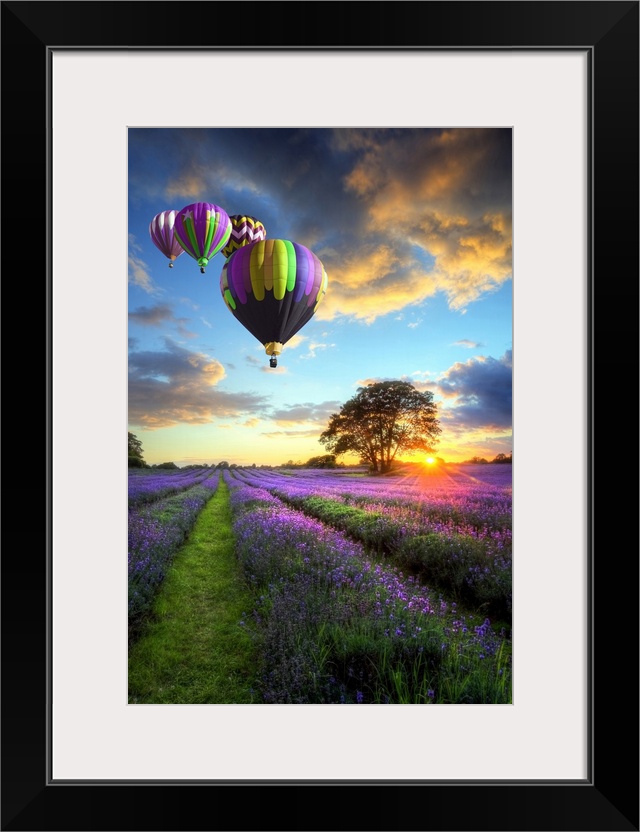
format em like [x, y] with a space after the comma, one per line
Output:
[609, 801]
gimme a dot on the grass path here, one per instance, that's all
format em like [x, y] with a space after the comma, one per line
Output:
[194, 651]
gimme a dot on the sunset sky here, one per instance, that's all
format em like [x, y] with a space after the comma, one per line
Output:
[414, 229]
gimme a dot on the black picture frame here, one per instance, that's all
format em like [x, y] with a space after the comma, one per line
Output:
[608, 799]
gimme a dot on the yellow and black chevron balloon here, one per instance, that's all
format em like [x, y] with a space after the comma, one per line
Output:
[244, 230]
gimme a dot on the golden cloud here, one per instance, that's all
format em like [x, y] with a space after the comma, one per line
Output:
[189, 186]
[432, 192]
[197, 182]
[375, 283]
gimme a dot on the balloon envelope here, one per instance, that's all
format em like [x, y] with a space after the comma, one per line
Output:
[161, 231]
[273, 288]
[244, 230]
[202, 229]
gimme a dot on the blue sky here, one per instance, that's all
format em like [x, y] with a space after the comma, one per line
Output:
[413, 227]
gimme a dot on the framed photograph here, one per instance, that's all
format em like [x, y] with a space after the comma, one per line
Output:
[563, 78]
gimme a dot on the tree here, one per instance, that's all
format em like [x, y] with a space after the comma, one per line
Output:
[325, 461]
[381, 420]
[134, 447]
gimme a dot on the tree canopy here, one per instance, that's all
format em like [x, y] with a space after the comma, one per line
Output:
[324, 461]
[381, 420]
[134, 446]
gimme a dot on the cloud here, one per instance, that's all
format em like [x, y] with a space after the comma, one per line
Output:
[465, 342]
[478, 392]
[317, 413]
[296, 341]
[314, 347]
[152, 315]
[375, 280]
[199, 182]
[292, 434]
[178, 386]
[418, 376]
[441, 193]
[138, 273]
[472, 259]
[157, 316]
[280, 370]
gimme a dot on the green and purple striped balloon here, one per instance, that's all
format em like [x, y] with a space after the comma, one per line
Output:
[202, 229]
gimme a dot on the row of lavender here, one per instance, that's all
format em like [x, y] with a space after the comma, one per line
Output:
[468, 499]
[453, 533]
[147, 485]
[157, 529]
[331, 626]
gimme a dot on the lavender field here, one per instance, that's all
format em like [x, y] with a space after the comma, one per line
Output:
[366, 590]
[163, 506]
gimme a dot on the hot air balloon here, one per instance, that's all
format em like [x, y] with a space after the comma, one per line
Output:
[202, 229]
[273, 287]
[244, 230]
[161, 231]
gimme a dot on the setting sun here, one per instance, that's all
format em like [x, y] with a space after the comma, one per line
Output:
[430, 460]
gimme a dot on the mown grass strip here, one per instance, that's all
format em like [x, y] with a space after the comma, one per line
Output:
[194, 649]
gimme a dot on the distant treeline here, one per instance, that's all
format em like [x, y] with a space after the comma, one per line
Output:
[136, 460]
[327, 461]
[501, 459]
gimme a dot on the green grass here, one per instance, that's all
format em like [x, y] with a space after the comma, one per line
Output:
[193, 649]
